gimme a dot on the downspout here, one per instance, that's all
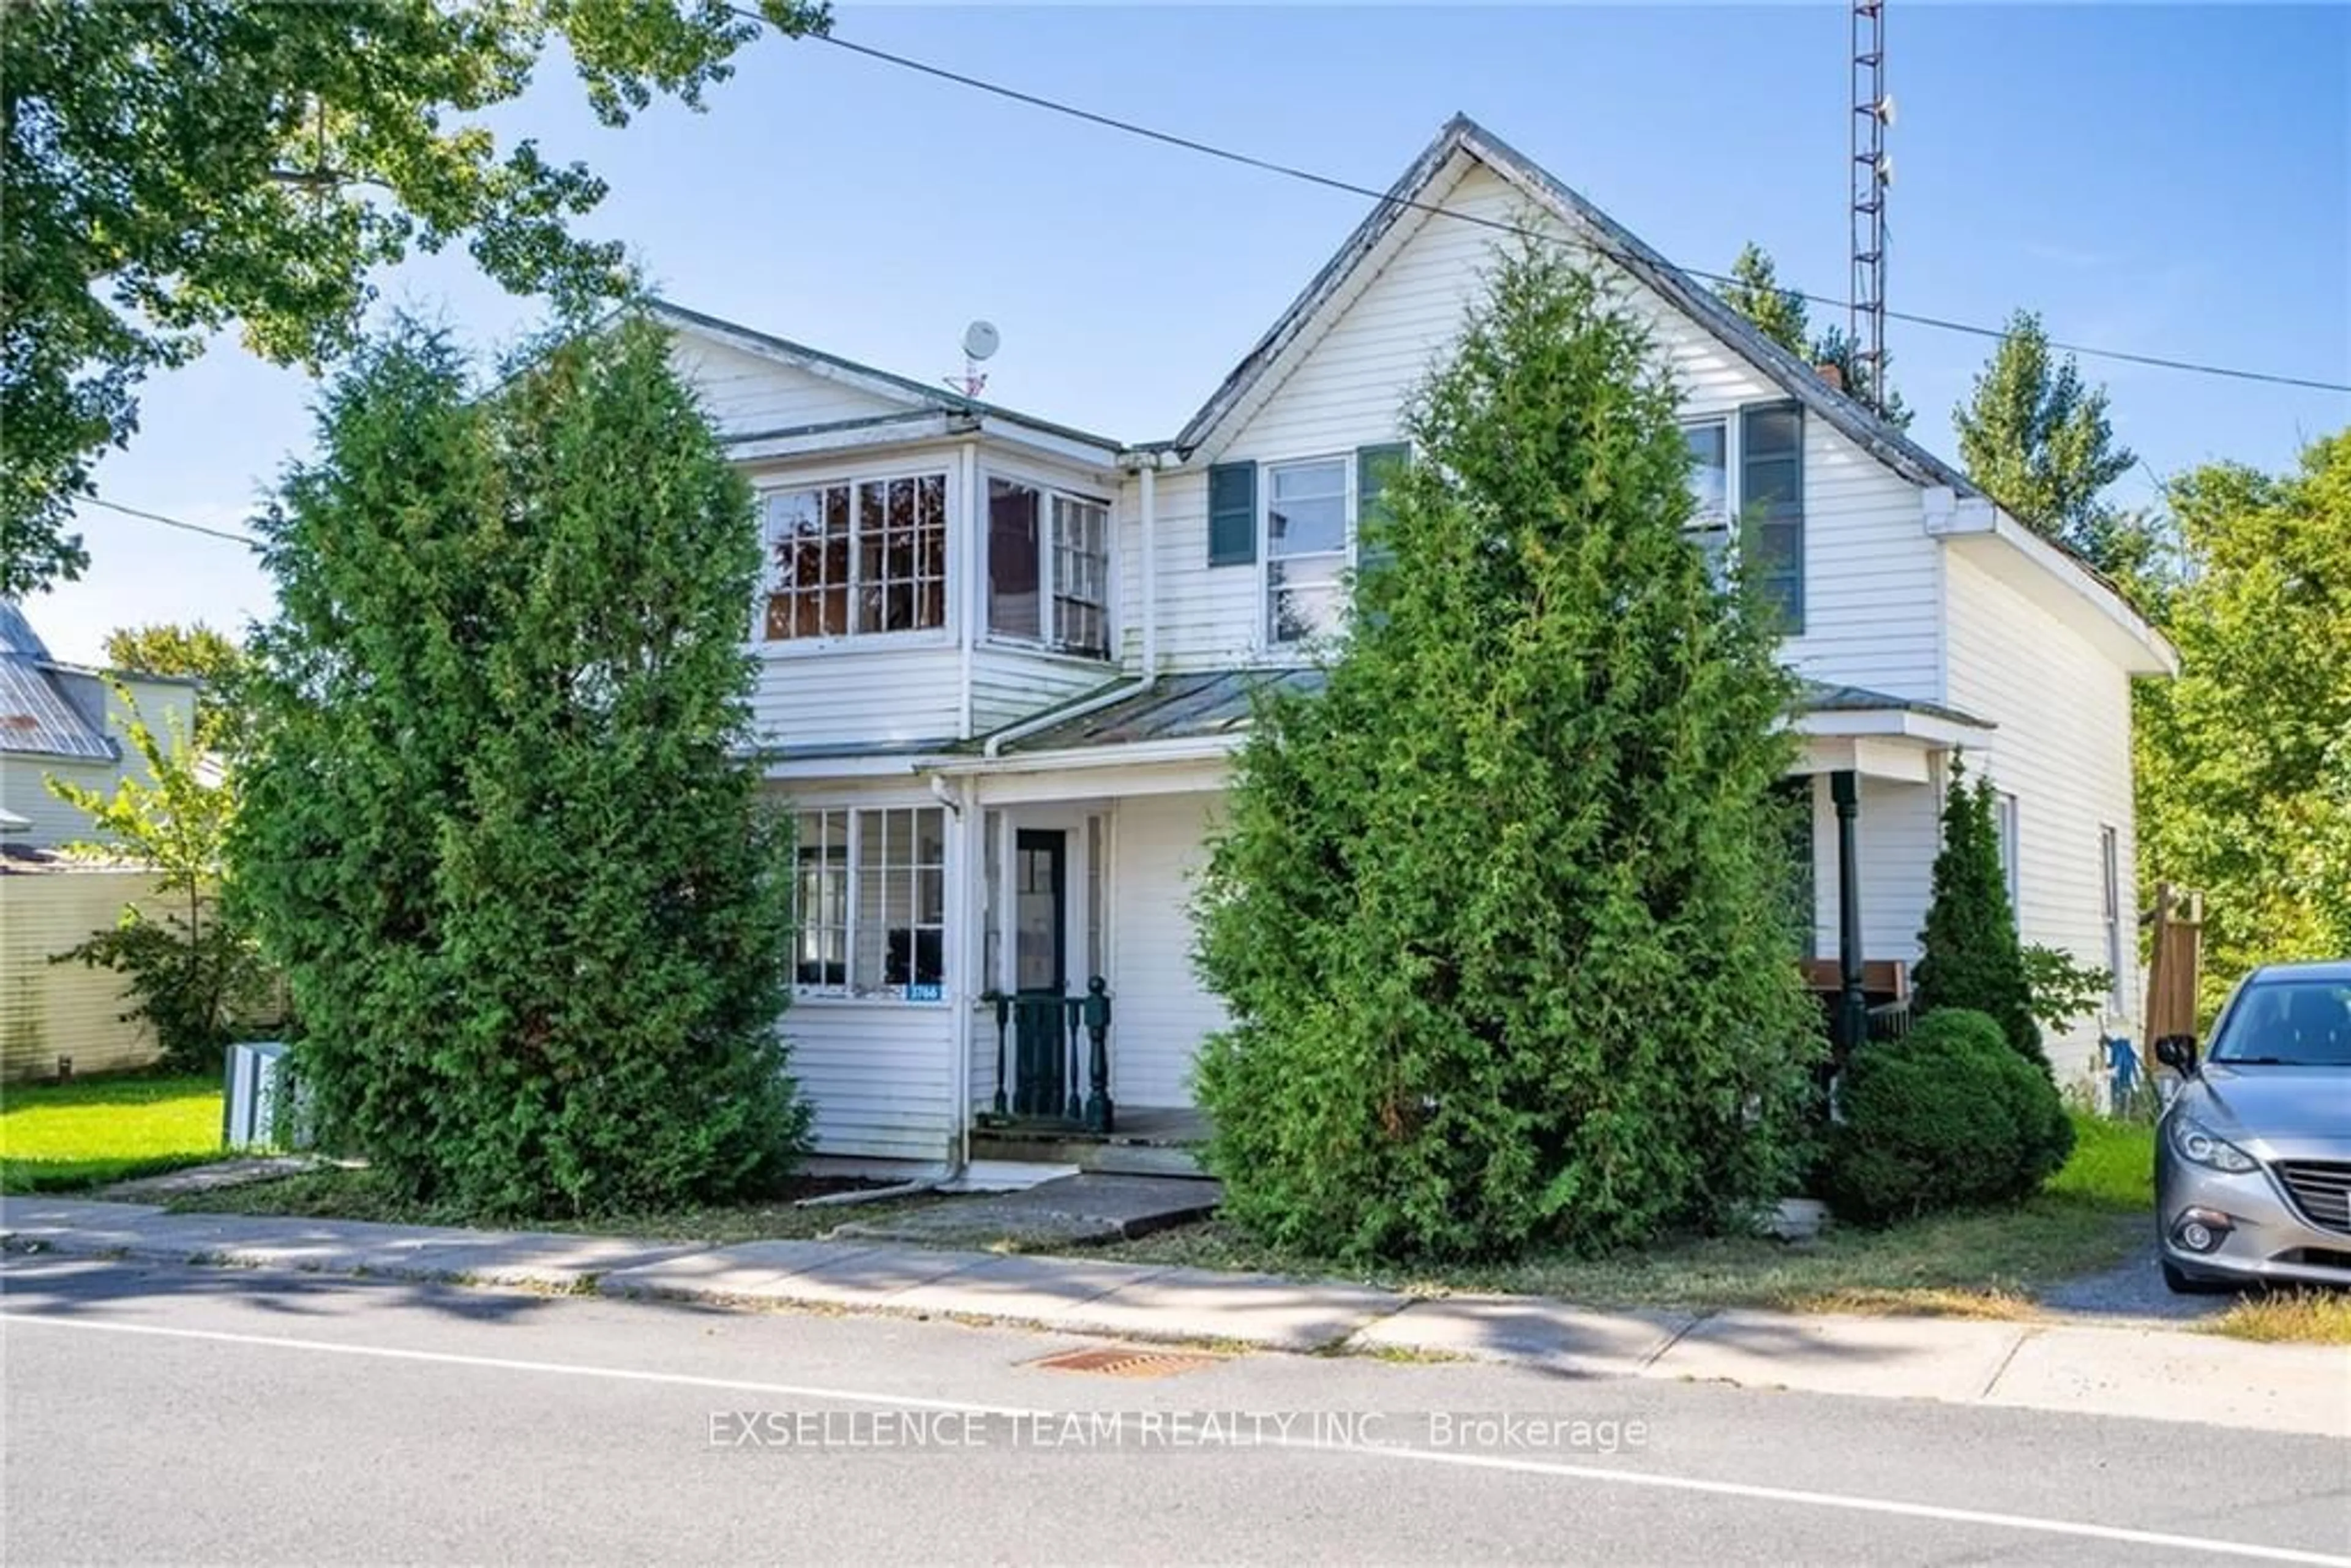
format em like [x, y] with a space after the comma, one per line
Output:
[970, 828]
[1147, 466]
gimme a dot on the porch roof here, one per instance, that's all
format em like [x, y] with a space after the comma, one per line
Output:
[1203, 704]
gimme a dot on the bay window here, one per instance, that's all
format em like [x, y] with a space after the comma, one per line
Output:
[869, 905]
[1305, 549]
[1048, 568]
[856, 559]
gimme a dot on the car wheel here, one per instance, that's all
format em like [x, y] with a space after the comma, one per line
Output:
[2182, 1283]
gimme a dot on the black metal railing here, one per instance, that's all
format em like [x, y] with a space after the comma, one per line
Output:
[1890, 1020]
[1057, 1068]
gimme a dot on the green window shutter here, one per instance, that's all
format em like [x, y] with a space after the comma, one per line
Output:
[1374, 467]
[1232, 513]
[1771, 507]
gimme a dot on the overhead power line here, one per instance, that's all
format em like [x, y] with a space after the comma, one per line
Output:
[1350, 187]
[168, 521]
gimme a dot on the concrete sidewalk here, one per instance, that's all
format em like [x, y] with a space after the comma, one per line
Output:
[2097, 1369]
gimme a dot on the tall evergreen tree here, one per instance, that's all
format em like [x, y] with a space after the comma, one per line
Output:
[1501, 914]
[2042, 445]
[532, 907]
[1784, 316]
[1971, 955]
[1781, 314]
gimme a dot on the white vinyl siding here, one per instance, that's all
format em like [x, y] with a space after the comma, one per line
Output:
[2062, 748]
[1161, 1010]
[1871, 588]
[747, 395]
[1897, 835]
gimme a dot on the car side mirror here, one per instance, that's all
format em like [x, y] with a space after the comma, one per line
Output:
[2178, 1051]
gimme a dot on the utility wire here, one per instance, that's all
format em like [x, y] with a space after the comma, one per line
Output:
[1331, 182]
[167, 522]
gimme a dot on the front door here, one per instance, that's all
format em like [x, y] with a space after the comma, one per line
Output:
[1042, 1085]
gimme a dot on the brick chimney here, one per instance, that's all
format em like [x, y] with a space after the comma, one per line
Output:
[1831, 374]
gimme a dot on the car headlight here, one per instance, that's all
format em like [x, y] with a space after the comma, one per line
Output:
[2201, 1144]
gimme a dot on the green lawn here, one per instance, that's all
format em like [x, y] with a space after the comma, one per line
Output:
[105, 1129]
[1989, 1264]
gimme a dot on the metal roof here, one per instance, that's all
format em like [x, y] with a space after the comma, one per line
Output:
[36, 717]
[1823, 696]
[1202, 703]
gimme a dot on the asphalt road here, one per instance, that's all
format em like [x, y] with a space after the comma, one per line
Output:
[154, 1414]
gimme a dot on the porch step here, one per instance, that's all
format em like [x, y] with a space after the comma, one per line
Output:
[1072, 1211]
[1107, 1156]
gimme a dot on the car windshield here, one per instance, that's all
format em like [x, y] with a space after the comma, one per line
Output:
[2290, 1022]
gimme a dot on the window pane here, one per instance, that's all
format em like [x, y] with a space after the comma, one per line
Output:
[1708, 472]
[1014, 607]
[1303, 598]
[1308, 512]
[1081, 575]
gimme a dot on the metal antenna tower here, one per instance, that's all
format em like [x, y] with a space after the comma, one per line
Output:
[1872, 172]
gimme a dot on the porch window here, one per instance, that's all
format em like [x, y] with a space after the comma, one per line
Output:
[856, 560]
[1305, 549]
[871, 903]
[1048, 568]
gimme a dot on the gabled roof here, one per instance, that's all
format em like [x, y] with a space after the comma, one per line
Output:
[916, 397]
[1412, 195]
[36, 717]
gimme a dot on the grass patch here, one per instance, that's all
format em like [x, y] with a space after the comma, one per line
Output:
[2288, 1317]
[55, 1136]
[1988, 1264]
[360, 1194]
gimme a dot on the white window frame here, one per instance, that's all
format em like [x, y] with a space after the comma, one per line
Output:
[2010, 830]
[1267, 625]
[1052, 636]
[854, 483]
[855, 867]
[2110, 888]
[1725, 522]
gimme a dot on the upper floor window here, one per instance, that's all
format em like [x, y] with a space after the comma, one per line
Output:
[1710, 484]
[1305, 549]
[1048, 568]
[856, 559]
[1747, 481]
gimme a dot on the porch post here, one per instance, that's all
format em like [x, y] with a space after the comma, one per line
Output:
[1852, 1007]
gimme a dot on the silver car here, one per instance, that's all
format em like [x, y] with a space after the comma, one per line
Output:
[2253, 1156]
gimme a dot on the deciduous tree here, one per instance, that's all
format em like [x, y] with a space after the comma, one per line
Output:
[173, 166]
[2040, 444]
[2245, 760]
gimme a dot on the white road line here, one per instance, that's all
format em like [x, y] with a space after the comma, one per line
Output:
[1593, 1473]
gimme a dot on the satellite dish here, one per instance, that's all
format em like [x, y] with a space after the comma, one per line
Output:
[1886, 109]
[1886, 168]
[981, 339]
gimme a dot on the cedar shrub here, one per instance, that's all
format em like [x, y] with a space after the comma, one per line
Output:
[532, 907]
[1949, 1117]
[1500, 916]
[1970, 955]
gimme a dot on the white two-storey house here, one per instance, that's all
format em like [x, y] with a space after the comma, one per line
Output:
[1005, 663]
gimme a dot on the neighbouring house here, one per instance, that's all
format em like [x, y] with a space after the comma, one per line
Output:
[1003, 665]
[67, 721]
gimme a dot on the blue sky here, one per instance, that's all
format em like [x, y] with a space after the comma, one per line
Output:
[2169, 180]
